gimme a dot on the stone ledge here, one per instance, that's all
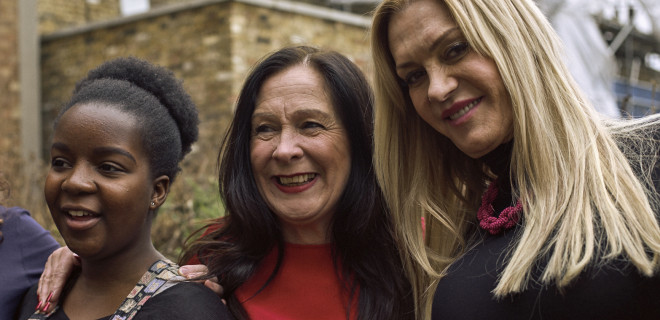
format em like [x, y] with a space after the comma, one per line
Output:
[281, 5]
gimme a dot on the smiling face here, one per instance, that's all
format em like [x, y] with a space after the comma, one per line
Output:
[454, 89]
[299, 153]
[99, 187]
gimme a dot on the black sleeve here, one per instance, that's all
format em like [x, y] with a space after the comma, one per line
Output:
[186, 300]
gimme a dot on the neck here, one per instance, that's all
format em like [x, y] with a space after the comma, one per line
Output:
[104, 283]
[499, 160]
[499, 163]
[306, 234]
[126, 267]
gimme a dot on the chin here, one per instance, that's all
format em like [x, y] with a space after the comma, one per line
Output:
[81, 248]
[477, 150]
[475, 154]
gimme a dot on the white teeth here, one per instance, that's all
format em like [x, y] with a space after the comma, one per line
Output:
[79, 213]
[463, 111]
[296, 180]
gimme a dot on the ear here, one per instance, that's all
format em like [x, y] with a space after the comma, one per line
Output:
[161, 190]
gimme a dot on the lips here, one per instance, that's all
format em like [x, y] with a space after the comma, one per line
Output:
[81, 219]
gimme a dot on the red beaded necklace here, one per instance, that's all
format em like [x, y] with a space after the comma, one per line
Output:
[507, 219]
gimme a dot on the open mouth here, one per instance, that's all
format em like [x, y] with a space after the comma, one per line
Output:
[79, 214]
[80, 220]
[465, 109]
[297, 180]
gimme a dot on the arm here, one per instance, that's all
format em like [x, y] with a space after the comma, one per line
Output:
[59, 266]
[36, 245]
[24, 250]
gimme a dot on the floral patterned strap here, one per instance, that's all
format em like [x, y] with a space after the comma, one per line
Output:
[154, 281]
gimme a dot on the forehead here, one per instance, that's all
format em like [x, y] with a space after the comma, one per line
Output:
[422, 10]
[98, 124]
[296, 87]
[419, 23]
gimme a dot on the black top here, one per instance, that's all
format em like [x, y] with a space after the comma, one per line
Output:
[186, 300]
[613, 291]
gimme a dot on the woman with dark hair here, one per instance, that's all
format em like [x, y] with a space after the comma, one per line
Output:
[306, 233]
[116, 150]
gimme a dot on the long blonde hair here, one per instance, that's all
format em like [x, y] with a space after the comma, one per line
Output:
[583, 203]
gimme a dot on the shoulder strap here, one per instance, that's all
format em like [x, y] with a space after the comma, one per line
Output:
[162, 275]
[41, 316]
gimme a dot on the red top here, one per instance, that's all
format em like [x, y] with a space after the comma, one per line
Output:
[306, 286]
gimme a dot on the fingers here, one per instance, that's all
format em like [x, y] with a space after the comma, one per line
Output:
[46, 304]
[193, 271]
[214, 286]
[59, 266]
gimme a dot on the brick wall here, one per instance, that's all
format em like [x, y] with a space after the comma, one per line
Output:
[9, 83]
[258, 30]
[57, 14]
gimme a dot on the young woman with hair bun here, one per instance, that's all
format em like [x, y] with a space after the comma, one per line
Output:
[115, 152]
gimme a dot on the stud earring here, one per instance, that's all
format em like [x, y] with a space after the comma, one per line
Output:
[153, 203]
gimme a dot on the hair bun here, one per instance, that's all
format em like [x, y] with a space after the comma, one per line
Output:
[161, 83]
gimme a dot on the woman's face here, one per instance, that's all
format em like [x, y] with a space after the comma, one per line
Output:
[98, 188]
[455, 90]
[299, 153]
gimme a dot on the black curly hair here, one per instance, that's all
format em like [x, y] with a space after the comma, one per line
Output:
[166, 113]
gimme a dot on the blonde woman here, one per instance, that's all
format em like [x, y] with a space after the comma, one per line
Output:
[534, 207]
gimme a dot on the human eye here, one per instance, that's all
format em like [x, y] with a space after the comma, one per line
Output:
[412, 78]
[107, 167]
[59, 163]
[456, 51]
[110, 168]
[312, 125]
[263, 129]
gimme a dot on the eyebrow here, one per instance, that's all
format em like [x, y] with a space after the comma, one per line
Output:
[433, 46]
[100, 150]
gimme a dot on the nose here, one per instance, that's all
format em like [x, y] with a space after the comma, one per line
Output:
[288, 147]
[79, 180]
[441, 83]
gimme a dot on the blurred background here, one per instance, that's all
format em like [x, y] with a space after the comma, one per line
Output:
[612, 47]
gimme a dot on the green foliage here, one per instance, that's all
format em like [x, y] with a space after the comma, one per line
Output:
[191, 204]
